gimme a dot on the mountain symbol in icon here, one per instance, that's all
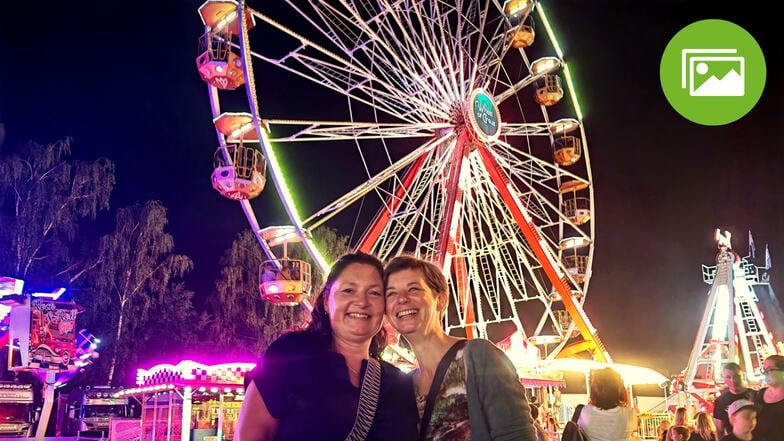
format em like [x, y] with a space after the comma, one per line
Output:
[730, 85]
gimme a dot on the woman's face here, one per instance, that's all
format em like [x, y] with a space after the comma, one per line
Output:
[412, 306]
[773, 376]
[356, 303]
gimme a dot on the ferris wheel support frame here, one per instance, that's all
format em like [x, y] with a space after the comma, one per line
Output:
[381, 220]
[449, 234]
[591, 337]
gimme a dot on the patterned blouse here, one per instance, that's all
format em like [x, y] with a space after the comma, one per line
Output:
[449, 421]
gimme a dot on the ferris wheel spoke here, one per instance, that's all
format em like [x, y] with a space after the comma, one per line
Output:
[296, 130]
[401, 59]
[417, 45]
[349, 39]
[371, 184]
[380, 57]
[544, 165]
[347, 76]
[525, 129]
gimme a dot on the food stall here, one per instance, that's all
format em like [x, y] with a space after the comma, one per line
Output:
[189, 401]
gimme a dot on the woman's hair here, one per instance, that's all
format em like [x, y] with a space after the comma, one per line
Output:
[432, 274]
[778, 361]
[704, 425]
[680, 416]
[319, 319]
[607, 389]
[681, 430]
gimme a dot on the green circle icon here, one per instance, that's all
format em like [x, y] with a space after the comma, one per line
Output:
[712, 72]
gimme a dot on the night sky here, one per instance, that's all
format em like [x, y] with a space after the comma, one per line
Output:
[120, 78]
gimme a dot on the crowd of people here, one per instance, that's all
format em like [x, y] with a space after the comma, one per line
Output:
[329, 383]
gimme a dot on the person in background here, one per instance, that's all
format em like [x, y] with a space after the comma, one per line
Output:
[743, 419]
[770, 401]
[309, 384]
[664, 426]
[678, 433]
[607, 417]
[736, 390]
[704, 430]
[681, 419]
[478, 396]
[541, 434]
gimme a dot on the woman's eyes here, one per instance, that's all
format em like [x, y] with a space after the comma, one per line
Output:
[376, 293]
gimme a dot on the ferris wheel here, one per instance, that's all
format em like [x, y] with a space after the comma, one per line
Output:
[448, 129]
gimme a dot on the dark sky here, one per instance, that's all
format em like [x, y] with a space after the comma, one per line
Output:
[120, 78]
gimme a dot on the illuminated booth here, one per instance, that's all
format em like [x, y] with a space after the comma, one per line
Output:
[189, 401]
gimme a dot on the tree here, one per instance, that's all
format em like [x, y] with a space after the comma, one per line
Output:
[136, 286]
[243, 323]
[43, 196]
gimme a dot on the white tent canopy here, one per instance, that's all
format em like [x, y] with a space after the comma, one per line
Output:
[632, 375]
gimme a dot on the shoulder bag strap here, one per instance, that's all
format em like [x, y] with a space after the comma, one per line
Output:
[368, 401]
[436, 386]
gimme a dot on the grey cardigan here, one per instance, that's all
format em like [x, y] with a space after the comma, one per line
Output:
[497, 407]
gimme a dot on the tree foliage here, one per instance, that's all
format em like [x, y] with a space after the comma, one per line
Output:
[43, 196]
[244, 325]
[135, 299]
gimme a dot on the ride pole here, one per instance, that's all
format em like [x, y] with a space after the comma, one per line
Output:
[46, 410]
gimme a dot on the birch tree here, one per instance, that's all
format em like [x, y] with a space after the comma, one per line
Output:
[137, 285]
[44, 194]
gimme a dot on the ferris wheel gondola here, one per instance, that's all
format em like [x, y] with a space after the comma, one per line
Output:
[470, 140]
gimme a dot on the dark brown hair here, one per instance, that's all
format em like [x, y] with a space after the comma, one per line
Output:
[607, 390]
[319, 319]
[778, 361]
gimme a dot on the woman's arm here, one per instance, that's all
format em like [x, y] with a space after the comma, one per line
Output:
[503, 397]
[255, 422]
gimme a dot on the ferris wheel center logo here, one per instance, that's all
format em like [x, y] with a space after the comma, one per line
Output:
[712, 72]
[484, 116]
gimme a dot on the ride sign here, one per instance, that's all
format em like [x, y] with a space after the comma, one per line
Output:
[484, 116]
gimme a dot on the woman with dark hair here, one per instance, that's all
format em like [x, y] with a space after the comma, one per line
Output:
[327, 382]
[465, 389]
[770, 401]
[607, 417]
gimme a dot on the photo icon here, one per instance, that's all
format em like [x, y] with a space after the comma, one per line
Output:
[713, 72]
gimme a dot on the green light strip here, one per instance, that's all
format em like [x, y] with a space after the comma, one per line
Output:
[570, 85]
[549, 30]
[288, 199]
[559, 52]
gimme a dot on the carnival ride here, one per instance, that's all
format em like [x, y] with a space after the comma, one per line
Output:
[469, 136]
[42, 329]
[188, 400]
[733, 329]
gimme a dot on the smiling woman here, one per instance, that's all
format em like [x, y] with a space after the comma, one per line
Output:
[327, 382]
[465, 390]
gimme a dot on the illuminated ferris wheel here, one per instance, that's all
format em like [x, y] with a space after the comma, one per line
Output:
[448, 129]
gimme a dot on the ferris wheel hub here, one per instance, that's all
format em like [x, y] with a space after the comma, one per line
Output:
[482, 116]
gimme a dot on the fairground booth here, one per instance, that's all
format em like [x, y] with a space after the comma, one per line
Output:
[190, 401]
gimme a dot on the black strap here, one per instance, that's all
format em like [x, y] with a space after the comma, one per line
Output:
[436, 386]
